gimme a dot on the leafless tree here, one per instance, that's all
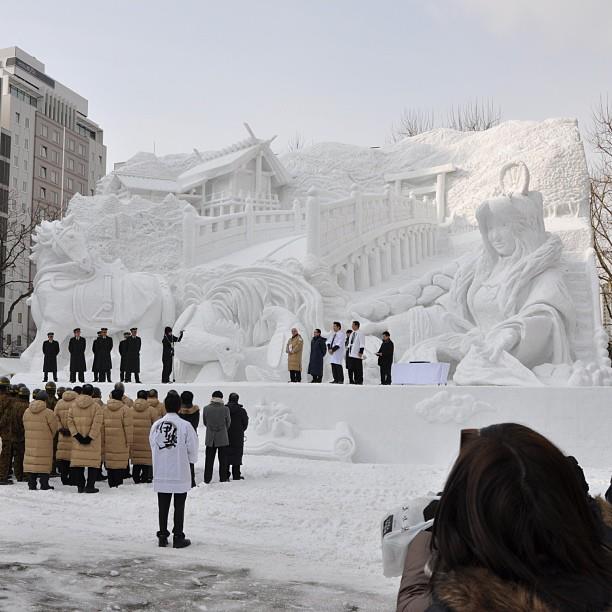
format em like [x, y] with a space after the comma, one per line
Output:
[412, 121]
[601, 200]
[475, 116]
[296, 143]
[15, 239]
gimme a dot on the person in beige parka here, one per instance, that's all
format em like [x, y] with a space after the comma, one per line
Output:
[64, 443]
[85, 424]
[158, 407]
[117, 433]
[143, 416]
[40, 426]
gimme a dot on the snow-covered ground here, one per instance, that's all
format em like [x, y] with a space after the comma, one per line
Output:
[295, 534]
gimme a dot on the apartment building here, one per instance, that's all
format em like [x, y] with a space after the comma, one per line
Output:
[56, 152]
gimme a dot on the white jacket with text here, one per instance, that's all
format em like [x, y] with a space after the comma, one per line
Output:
[174, 445]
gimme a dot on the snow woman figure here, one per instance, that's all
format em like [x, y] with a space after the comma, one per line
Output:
[508, 310]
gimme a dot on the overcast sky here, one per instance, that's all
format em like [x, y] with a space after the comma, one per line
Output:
[187, 74]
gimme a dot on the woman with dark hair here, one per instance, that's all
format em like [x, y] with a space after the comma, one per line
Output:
[514, 531]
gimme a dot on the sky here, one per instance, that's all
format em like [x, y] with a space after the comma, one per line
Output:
[185, 74]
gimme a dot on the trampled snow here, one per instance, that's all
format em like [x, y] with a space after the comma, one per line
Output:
[295, 534]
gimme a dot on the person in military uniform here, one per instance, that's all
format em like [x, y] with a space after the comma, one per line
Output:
[122, 354]
[51, 350]
[103, 353]
[132, 356]
[95, 368]
[6, 431]
[168, 352]
[76, 348]
[20, 405]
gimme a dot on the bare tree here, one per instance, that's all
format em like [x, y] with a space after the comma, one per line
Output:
[412, 121]
[296, 143]
[601, 201]
[15, 238]
[475, 116]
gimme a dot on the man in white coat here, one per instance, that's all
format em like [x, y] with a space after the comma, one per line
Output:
[335, 348]
[174, 445]
[356, 349]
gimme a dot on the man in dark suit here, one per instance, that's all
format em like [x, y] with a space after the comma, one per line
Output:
[76, 348]
[132, 356]
[51, 349]
[95, 368]
[122, 353]
[385, 358]
[168, 352]
[104, 346]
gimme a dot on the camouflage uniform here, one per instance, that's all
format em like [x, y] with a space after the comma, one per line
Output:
[13, 437]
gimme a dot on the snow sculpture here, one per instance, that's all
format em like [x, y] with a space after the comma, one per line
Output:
[71, 289]
[275, 429]
[507, 310]
[445, 407]
[238, 320]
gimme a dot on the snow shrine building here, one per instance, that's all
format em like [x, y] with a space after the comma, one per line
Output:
[215, 183]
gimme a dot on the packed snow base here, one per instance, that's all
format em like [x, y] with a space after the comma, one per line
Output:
[295, 534]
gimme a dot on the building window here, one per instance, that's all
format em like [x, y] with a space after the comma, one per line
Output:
[70, 163]
[24, 186]
[43, 172]
[69, 183]
[15, 182]
[19, 317]
[25, 165]
[71, 144]
[54, 176]
[82, 150]
[43, 193]
[16, 161]
[82, 169]
[81, 188]
[16, 139]
[27, 123]
[54, 156]
[44, 130]
[100, 159]
[17, 117]
[26, 143]
[55, 197]
[8, 337]
[43, 151]
[55, 136]
[18, 341]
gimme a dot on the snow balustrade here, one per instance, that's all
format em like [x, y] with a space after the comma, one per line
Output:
[366, 238]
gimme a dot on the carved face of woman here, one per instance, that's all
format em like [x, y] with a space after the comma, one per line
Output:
[502, 239]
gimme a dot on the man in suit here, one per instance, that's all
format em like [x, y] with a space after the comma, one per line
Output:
[76, 348]
[168, 352]
[216, 418]
[356, 349]
[103, 353]
[122, 353]
[132, 356]
[385, 358]
[95, 368]
[51, 349]
[335, 348]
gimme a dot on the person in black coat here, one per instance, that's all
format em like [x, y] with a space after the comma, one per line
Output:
[76, 348]
[50, 349]
[102, 350]
[94, 366]
[122, 352]
[132, 356]
[385, 358]
[239, 424]
[168, 352]
[318, 348]
[190, 412]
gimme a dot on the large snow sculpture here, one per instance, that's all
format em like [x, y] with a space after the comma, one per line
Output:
[71, 289]
[507, 310]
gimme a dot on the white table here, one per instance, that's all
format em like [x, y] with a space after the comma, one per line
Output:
[419, 373]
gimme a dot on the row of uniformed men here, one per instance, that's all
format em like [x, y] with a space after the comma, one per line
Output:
[88, 433]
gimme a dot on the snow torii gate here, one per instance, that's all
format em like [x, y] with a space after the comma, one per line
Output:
[439, 188]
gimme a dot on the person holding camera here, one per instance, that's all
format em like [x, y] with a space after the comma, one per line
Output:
[514, 532]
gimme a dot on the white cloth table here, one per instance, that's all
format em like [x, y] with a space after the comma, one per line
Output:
[419, 373]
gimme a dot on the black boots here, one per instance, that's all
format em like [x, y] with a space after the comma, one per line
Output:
[162, 539]
[44, 483]
[32, 482]
[180, 542]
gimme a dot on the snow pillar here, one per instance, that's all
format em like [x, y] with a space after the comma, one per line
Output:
[313, 224]
[249, 212]
[297, 216]
[190, 226]
[441, 197]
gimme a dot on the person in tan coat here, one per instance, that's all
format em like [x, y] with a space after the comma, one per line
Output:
[117, 435]
[143, 416]
[40, 426]
[294, 348]
[64, 443]
[159, 409]
[85, 424]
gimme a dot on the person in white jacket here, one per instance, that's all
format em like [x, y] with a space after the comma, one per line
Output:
[356, 349]
[335, 348]
[174, 445]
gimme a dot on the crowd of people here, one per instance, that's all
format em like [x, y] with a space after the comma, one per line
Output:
[71, 433]
[343, 347]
